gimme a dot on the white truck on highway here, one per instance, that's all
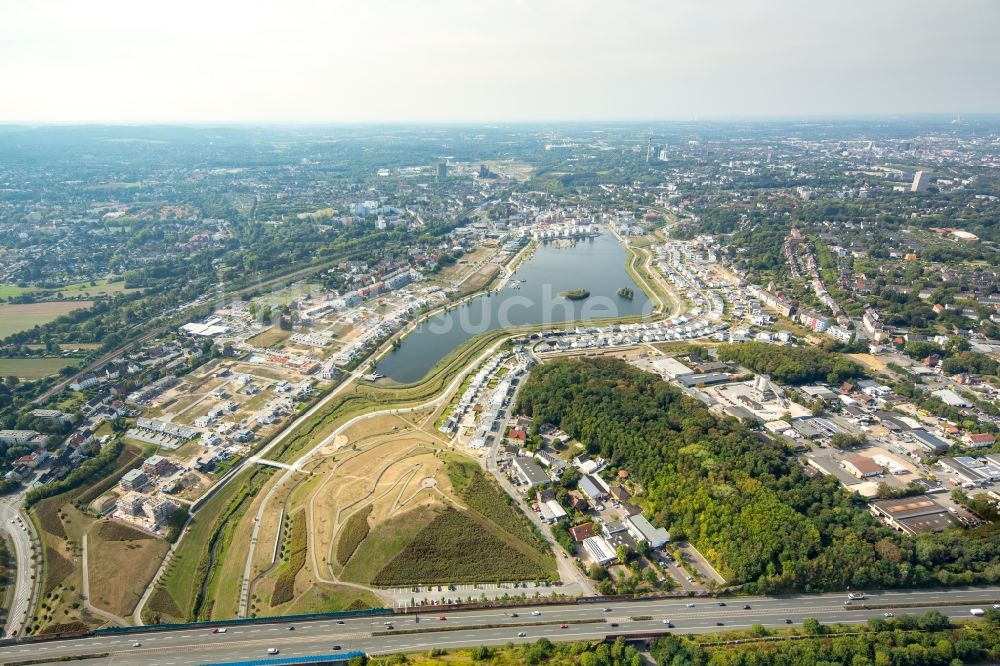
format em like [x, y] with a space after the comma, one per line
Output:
[978, 612]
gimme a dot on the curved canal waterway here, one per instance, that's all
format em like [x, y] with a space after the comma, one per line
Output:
[531, 296]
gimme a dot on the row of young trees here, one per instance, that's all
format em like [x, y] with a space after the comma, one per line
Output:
[738, 496]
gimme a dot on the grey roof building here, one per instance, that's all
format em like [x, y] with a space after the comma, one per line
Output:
[530, 472]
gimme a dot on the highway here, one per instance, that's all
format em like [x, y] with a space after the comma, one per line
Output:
[20, 532]
[191, 646]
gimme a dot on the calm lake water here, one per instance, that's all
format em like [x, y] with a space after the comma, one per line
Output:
[595, 264]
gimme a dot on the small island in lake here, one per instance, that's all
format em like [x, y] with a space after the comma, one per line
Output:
[625, 292]
[575, 295]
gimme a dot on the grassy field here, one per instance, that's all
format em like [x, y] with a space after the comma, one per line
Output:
[17, 318]
[34, 368]
[272, 337]
[13, 291]
[75, 290]
[461, 547]
[113, 548]
[324, 598]
[180, 588]
[477, 280]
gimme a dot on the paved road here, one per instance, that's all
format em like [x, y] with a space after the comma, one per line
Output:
[187, 647]
[10, 507]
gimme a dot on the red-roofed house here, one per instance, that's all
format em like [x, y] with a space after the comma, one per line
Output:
[518, 434]
[979, 440]
[581, 532]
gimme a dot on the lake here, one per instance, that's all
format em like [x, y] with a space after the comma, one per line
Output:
[530, 297]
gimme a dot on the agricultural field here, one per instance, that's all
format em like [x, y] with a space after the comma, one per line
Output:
[34, 368]
[21, 317]
[113, 548]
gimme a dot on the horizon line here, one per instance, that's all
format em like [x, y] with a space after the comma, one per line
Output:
[988, 115]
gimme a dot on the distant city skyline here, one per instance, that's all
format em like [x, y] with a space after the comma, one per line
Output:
[441, 61]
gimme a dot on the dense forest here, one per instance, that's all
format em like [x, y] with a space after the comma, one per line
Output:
[738, 496]
[791, 365]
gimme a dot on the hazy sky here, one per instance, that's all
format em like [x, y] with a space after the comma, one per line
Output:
[481, 60]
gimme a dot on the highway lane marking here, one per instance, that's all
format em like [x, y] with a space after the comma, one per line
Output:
[700, 615]
[766, 607]
[235, 645]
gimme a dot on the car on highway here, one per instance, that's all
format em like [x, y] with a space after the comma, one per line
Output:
[291, 627]
[746, 606]
[718, 624]
[787, 621]
[564, 626]
[690, 605]
[521, 634]
[536, 613]
[614, 624]
[219, 630]
[272, 650]
[996, 606]
[387, 623]
[137, 644]
[670, 625]
[887, 614]
[340, 622]
[722, 603]
[336, 647]
[605, 610]
[390, 627]
[514, 615]
[442, 618]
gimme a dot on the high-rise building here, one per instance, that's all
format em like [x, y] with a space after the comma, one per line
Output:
[442, 169]
[920, 181]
